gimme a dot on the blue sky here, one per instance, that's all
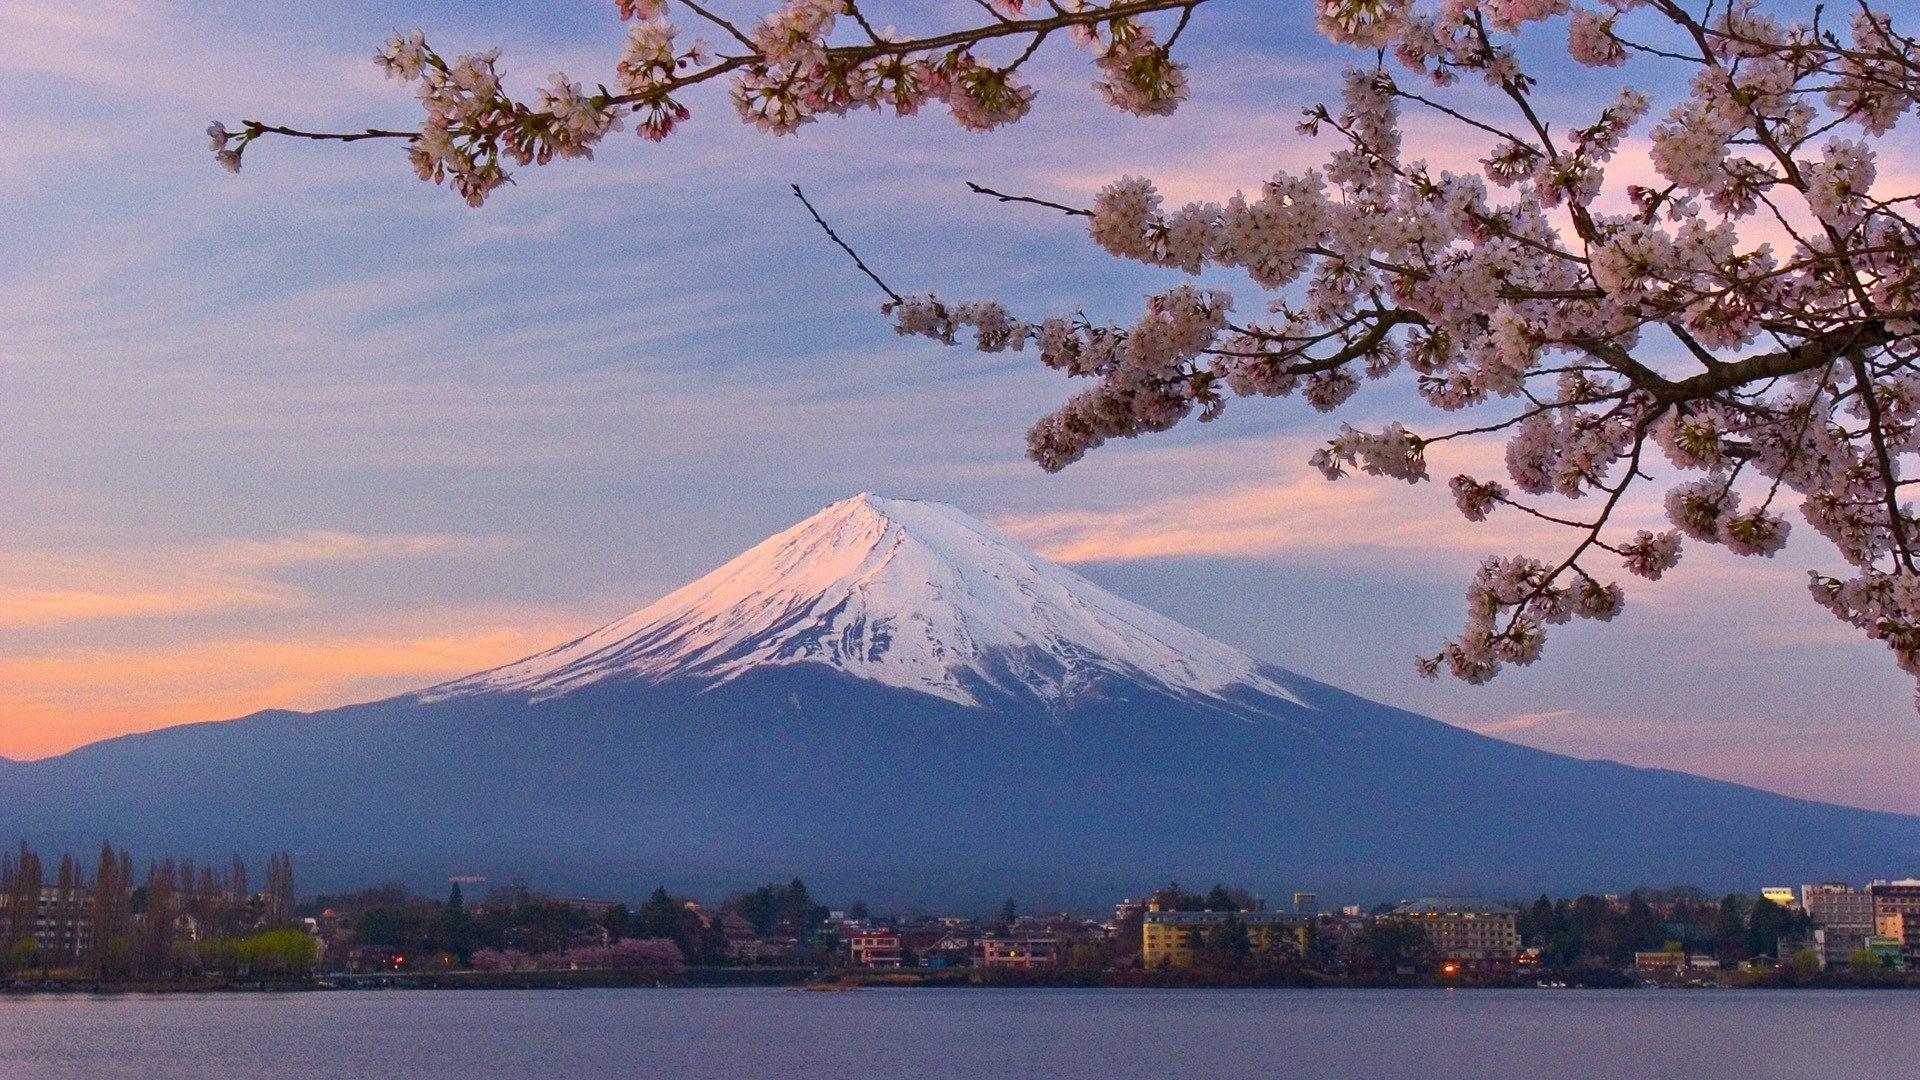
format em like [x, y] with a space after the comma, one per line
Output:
[320, 432]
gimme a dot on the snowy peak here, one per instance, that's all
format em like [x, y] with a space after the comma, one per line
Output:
[909, 594]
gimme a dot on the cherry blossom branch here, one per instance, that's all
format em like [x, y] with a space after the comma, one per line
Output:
[789, 72]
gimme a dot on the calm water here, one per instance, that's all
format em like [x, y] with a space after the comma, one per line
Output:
[979, 1035]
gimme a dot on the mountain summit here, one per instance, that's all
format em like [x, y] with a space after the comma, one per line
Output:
[901, 704]
[914, 595]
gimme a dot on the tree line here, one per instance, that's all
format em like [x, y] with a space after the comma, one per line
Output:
[513, 928]
[179, 918]
[1589, 928]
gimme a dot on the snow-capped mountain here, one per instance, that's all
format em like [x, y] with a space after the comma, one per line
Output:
[903, 705]
[914, 595]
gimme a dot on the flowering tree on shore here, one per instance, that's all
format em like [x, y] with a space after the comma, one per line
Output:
[644, 954]
[1747, 312]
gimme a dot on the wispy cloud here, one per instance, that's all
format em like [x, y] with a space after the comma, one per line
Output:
[1523, 722]
[1293, 512]
[43, 588]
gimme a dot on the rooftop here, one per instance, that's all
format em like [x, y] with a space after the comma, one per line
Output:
[1214, 918]
[1452, 905]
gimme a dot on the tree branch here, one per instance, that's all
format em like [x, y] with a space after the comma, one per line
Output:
[844, 246]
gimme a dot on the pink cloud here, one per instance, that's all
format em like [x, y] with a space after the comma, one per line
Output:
[1293, 512]
[1523, 722]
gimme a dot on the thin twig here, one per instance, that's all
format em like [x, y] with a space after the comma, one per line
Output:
[979, 189]
[844, 246]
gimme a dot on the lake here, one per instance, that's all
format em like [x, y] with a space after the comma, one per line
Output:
[974, 1034]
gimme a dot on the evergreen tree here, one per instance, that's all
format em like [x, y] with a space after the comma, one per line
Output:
[618, 922]
[1228, 943]
[1767, 923]
[1388, 944]
[1730, 928]
[1535, 923]
[456, 926]
[786, 909]
[1641, 928]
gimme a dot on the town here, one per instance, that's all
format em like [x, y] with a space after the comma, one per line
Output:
[179, 926]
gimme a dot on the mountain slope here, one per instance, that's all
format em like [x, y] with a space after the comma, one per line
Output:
[907, 594]
[900, 704]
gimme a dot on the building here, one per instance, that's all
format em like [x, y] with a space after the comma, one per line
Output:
[1836, 945]
[62, 921]
[1170, 937]
[1896, 914]
[874, 947]
[922, 940]
[1842, 920]
[1306, 904]
[1660, 962]
[1888, 950]
[1838, 904]
[1779, 894]
[1465, 930]
[1020, 953]
[742, 939]
[1673, 961]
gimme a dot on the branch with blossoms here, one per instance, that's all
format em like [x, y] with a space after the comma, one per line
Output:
[1779, 375]
[805, 59]
[1752, 316]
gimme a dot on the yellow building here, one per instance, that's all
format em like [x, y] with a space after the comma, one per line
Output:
[1660, 961]
[1891, 924]
[1896, 914]
[1171, 937]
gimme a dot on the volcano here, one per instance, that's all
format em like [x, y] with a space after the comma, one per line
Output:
[898, 702]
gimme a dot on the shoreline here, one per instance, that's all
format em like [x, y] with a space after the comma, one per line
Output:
[815, 980]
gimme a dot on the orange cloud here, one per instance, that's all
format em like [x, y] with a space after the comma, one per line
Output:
[57, 588]
[54, 697]
[55, 702]
[52, 607]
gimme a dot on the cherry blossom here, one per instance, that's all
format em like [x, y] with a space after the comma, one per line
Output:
[1739, 324]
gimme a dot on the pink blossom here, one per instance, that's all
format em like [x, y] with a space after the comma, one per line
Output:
[1476, 499]
[1649, 555]
[1590, 39]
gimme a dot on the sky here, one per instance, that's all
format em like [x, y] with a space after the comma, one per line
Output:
[320, 433]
